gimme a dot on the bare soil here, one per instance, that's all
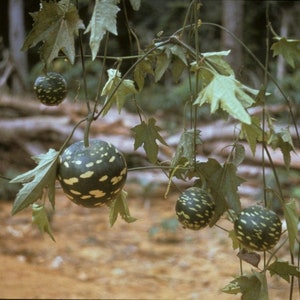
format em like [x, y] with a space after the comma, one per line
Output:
[141, 260]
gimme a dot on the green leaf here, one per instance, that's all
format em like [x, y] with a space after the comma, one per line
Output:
[223, 182]
[40, 218]
[217, 61]
[283, 140]
[146, 134]
[177, 68]
[36, 180]
[163, 60]
[103, 19]
[141, 70]
[54, 25]
[239, 154]
[292, 220]
[229, 94]
[185, 151]
[288, 48]
[284, 270]
[120, 207]
[116, 90]
[252, 132]
[253, 286]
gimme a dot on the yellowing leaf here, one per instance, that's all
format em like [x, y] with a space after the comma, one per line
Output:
[288, 48]
[292, 221]
[116, 90]
[146, 134]
[40, 218]
[103, 19]
[54, 25]
[229, 94]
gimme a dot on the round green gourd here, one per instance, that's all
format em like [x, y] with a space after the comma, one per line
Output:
[258, 228]
[50, 89]
[94, 175]
[194, 208]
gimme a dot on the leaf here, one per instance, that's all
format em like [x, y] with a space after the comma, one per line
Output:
[163, 60]
[284, 270]
[253, 286]
[235, 242]
[135, 4]
[229, 94]
[116, 89]
[177, 68]
[232, 288]
[292, 220]
[40, 218]
[120, 207]
[146, 134]
[36, 180]
[140, 72]
[185, 151]
[54, 25]
[216, 59]
[283, 140]
[223, 182]
[252, 132]
[252, 258]
[288, 48]
[103, 19]
[239, 154]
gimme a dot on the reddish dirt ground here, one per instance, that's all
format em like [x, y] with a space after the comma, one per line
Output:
[92, 260]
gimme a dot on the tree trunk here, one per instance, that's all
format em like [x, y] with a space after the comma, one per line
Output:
[16, 39]
[232, 19]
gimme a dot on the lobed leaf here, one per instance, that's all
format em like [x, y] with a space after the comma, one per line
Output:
[36, 180]
[54, 25]
[284, 270]
[103, 19]
[229, 94]
[283, 140]
[288, 48]
[223, 182]
[146, 134]
[116, 89]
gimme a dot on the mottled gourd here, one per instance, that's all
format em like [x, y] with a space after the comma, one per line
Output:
[258, 228]
[94, 175]
[195, 208]
[50, 89]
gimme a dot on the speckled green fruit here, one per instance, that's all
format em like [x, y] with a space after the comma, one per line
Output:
[195, 208]
[258, 228]
[94, 175]
[50, 89]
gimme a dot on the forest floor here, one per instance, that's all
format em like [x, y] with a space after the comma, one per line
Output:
[142, 260]
[152, 258]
